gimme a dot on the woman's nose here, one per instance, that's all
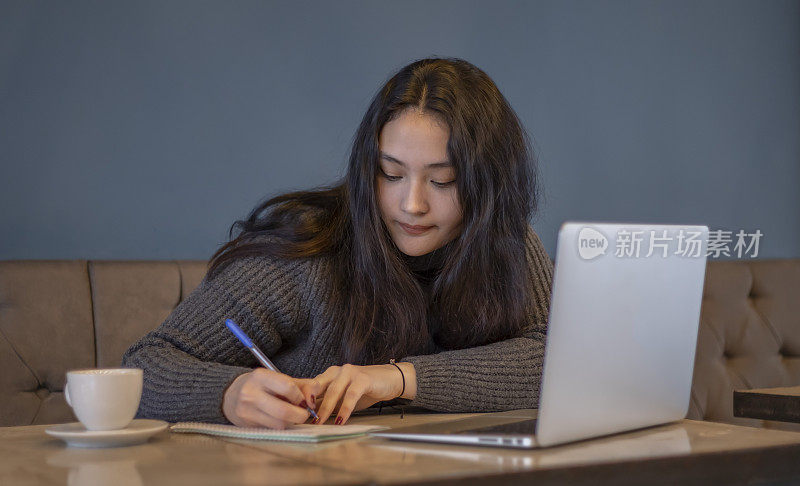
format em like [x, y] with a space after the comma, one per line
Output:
[415, 201]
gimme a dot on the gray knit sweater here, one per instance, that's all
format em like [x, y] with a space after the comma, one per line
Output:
[285, 306]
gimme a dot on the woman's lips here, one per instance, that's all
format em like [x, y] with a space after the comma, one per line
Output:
[414, 230]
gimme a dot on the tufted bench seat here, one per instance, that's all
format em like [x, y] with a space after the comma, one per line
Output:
[62, 315]
[749, 336]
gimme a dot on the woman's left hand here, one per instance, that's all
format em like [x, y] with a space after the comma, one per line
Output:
[351, 388]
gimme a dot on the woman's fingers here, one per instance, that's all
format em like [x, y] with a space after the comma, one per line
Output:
[280, 409]
[333, 392]
[254, 417]
[311, 389]
[321, 382]
[330, 401]
[265, 398]
[351, 397]
[278, 384]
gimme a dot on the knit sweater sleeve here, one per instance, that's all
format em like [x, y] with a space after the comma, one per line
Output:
[191, 358]
[500, 376]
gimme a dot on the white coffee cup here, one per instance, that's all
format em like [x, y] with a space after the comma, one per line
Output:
[104, 399]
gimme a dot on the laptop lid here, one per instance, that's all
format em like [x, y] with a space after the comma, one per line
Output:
[621, 338]
[623, 328]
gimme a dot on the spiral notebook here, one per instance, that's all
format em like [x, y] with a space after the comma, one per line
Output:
[297, 432]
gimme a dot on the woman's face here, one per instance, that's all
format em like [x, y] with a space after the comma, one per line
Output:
[416, 185]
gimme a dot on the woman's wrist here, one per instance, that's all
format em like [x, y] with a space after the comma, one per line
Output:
[410, 377]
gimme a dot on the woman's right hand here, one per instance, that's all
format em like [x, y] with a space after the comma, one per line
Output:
[265, 398]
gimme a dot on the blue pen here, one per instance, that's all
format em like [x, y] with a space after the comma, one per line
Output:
[257, 353]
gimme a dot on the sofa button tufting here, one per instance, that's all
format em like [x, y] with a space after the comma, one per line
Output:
[42, 392]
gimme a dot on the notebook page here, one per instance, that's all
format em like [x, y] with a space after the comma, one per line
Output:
[297, 432]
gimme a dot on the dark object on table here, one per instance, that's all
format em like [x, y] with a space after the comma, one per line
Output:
[768, 403]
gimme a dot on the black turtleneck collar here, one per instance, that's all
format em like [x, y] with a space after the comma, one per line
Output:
[429, 264]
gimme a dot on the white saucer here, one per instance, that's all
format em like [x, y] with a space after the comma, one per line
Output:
[76, 435]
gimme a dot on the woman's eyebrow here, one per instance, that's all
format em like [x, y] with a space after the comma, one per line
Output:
[435, 165]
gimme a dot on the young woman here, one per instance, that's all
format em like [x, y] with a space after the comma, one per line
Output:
[422, 254]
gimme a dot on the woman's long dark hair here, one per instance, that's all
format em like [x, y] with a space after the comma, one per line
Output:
[481, 294]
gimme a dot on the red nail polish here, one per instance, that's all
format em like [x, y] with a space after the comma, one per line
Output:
[313, 401]
[338, 421]
[303, 404]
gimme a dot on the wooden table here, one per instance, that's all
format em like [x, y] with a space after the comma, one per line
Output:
[781, 404]
[685, 452]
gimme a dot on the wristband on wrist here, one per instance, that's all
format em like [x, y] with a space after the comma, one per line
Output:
[391, 361]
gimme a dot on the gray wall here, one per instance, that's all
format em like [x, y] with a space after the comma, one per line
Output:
[142, 130]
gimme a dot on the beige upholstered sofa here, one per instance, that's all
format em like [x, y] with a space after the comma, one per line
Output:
[62, 315]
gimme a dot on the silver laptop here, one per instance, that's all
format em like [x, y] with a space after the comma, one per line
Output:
[620, 344]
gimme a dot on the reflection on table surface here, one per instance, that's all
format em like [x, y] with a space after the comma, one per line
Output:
[114, 466]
